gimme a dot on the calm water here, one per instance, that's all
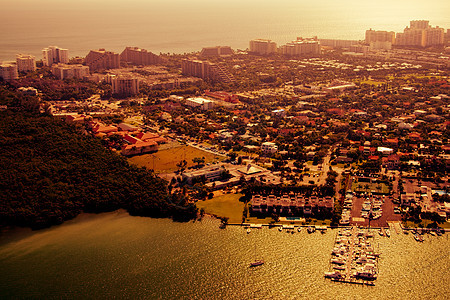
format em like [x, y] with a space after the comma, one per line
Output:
[115, 255]
[179, 26]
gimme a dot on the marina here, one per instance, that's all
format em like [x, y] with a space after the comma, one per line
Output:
[353, 258]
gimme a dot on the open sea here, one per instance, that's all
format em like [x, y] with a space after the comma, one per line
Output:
[114, 255]
[179, 26]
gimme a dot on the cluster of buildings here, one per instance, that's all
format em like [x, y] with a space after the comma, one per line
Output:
[291, 204]
[300, 46]
[419, 33]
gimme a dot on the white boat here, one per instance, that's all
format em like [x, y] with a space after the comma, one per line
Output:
[388, 233]
[299, 229]
[280, 228]
[380, 232]
[334, 275]
[432, 232]
[338, 261]
[249, 230]
[311, 229]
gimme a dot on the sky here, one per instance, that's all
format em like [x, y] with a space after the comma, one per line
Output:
[188, 25]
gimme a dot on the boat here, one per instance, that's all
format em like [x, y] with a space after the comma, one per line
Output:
[334, 275]
[280, 228]
[405, 231]
[257, 263]
[339, 267]
[432, 233]
[365, 274]
[381, 233]
[311, 229]
[299, 229]
[388, 233]
[249, 230]
[418, 237]
[337, 261]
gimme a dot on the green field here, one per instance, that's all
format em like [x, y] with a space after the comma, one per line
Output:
[165, 161]
[227, 205]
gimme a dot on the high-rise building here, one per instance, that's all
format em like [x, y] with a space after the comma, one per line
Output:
[53, 55]
[217, 51]
[373, 36]
[205, 70]
[63, 71]
[263, 47]
[137, 56]
[25, 63]
[301, 46]
[420, 34]
[125, 86]
[99, 60]
[8, 71]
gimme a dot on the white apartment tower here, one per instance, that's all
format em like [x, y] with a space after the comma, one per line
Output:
[54, 54]
[25, 63]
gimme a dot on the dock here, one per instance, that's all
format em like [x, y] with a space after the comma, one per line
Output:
[353, 258]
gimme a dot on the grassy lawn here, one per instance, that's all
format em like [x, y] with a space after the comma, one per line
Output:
[372, 82]
[227, 205]
[165, 161]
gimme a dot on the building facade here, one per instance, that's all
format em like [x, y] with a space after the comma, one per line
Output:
[64, 71]
[25, 63]
[373, 36]
[421, 34]
[263, 47]
[137, 56]
[99, 60]
[269, 147]
[203, 103]
[301, 46]
[8, 71]
[125, 86]
[217, 51]
[206, 70]
[54, 54]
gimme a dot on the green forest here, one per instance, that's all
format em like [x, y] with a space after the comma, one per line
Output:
[51, 172]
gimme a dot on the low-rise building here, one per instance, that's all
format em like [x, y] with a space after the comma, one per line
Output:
[269, 147]
[209, 174]
[203, 103]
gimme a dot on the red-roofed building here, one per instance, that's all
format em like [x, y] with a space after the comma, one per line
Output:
[390, 162]
[140, 148]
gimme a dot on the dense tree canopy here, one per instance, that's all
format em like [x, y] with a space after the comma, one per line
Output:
[50, 172]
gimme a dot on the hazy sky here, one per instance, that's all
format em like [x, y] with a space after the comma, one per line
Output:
[187, 25]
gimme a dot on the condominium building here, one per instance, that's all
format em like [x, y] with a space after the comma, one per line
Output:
[99, 60]
[217, 51]
[301, 46]
[125, 86]
[8, 71]
[420, 34]
[373, 36]
[263, 47]
[138, 56]
[206, 70]
[54, 54]
[25, 63]
[64, 71]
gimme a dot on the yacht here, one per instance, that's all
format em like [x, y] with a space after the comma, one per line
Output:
[311, 229]
[388, 233]
[334, 275]
[365, 274]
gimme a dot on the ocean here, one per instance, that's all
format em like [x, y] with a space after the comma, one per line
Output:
[114, 255]
[182, 26]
